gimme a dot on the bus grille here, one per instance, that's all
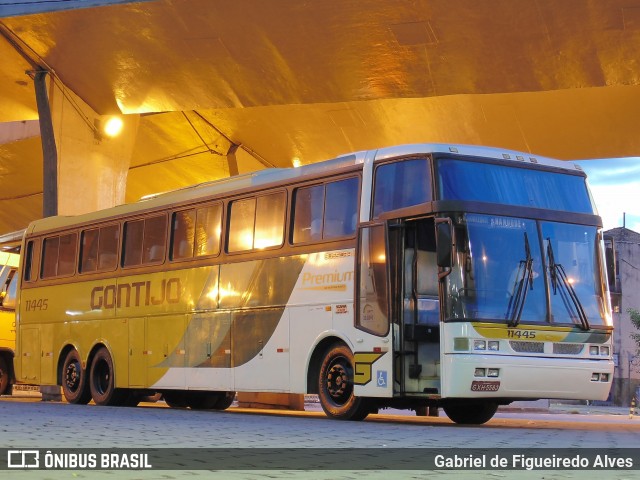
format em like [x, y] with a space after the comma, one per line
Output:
[527, 347]
[568, 348]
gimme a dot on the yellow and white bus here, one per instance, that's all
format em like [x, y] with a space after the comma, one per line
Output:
[8, 289]
[421, 275]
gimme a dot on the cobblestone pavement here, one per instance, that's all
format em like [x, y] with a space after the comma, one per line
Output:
[34, 424]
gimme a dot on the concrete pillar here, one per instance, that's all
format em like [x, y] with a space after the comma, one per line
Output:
[92, 168]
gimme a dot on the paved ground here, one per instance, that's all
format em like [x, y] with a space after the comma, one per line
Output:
[29, 423]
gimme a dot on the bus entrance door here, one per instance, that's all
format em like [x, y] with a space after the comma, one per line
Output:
[418, 334]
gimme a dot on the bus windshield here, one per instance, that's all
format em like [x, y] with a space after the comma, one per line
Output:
[525, 187]
[506, 267]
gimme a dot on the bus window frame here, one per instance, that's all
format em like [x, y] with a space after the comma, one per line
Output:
[122, 243]
[324, 183]
[226, 225]
[430, 168]
[118, 248]
[195, 208]
[31, 258]
[75, 256]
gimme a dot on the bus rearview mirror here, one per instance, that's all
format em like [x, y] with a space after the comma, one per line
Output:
[444, 245]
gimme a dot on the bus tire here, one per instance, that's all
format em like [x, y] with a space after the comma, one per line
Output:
[102, 381]
[202, 400]
[225, 400]
[4, 375]
[335, 386]
[471, 413]
[74, 380]
[175, 399]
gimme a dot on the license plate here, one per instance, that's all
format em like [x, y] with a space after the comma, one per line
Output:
[480, 386]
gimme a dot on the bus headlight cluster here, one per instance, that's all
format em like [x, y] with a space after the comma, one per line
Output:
[483, 345]
[486, 372]
[599, 377]
[601, 350]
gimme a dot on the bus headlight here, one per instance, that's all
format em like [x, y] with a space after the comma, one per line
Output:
[479, 345]
[494, 345]
[604, 351]
[594, 350]
[493, 372]
[479, 372]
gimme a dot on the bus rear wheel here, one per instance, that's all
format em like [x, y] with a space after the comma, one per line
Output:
[4, 376]
[74, 380]
[471, 413]
[102, 381]
[335, 386]
[210, 400]
[225, 400]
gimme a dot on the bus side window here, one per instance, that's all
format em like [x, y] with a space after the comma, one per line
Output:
[308, 214]
[155, 239]
[89, 250]
[108, 248]
[257, 223]
[183, 234]
[59, 256]
[144, 241]
[325, 212]
[401, 184]
[9, 300]
[29, 263]
[341, 208]
[208, 230]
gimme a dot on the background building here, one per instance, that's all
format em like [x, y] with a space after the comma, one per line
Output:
[625, 296]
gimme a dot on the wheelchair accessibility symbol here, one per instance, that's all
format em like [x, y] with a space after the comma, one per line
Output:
[382, 378]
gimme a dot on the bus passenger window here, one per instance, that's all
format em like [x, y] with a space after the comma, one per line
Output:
[67, 254]
[208, 230]
[155, 237]
[401, 184]
[241, 225]
[89, 250]
[108, 248]
[341, 208]
[132, 252]
[49, 257]
[59, 256]
[183, 234]
[257, 223]
[325, 212]
[269, 220]
[308, 214]
[29, 273]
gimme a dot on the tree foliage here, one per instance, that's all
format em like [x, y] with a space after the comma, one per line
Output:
[635, 321]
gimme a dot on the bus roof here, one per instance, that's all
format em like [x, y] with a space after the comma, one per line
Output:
[274, 175]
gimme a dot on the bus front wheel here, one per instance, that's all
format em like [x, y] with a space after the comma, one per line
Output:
[335, 386]
[471, 413]
[74, 380]
[102, 381]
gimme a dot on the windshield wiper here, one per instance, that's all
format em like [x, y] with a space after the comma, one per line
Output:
[522, 284]
[559, 279]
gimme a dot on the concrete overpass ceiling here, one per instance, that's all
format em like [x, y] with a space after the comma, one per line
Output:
[311, 80]
[175, 55]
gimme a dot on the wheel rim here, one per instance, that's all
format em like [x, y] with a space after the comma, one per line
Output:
[102, 377]
[72, 376]
[337, 383]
